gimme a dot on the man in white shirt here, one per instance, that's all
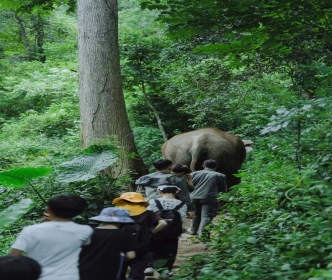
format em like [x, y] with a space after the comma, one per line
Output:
[56, 244]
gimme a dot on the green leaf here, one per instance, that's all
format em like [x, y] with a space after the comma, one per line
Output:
[87, 165]
[251, 240]
[239, 175]
[14, 212]
[18, 177]
[160, 263]
[285, 266]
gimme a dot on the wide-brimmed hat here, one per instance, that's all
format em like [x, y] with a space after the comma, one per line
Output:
[134, 209]
[113, 215]
[164, 186]
[133, 197]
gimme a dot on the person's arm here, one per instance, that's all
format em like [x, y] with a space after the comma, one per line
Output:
[21, 243]
[190, 183]
[46, 218]
[15, 252]
[223, 183]
[129, 245]
[153, 206]
[183, 212]
[130, 255]
[87, 235]
[161, 224]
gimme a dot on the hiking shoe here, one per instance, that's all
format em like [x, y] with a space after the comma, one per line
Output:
[189, 231]
[149, 271]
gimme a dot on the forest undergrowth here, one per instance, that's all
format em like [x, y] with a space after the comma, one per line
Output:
[241, 78]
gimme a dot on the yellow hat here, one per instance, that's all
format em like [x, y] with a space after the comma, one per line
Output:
[133, 202]
[133, 197]
[134, 209]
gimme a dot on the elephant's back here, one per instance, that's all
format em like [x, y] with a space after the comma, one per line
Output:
[208, 141]
[177, 149]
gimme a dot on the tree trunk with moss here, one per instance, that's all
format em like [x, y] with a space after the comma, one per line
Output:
[102, 106]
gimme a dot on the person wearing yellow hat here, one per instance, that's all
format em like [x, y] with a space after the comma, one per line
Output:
[146, 222]
[133, 202]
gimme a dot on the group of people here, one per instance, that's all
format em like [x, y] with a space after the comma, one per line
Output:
[132, 234]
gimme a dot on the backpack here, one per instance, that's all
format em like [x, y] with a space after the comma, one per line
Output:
[141, 232]
[173, 219]
[153, 181]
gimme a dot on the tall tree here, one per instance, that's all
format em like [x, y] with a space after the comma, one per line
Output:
[102, 105]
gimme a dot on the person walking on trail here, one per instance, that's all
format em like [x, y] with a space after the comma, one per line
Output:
[56, 244]
[207, 185]
[147, 223]
[184, 171]
[163, 174]
[110, 246]
[165, 244]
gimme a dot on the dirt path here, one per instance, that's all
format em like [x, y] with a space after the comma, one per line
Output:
[188, 246]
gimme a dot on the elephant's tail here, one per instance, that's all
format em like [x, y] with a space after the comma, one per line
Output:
[196, 152]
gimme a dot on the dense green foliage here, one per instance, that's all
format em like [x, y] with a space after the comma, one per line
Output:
[258, 69]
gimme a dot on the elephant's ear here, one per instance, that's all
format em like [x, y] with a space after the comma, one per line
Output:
[248, 145]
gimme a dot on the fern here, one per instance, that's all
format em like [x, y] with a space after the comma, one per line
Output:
[87, 165]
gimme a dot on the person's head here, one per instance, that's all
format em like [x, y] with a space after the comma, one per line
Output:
[132, 201]
[19, 268]
[113, 215]
[180, 169]
[210, 163]
[162, 165]
[167, 188]
[66, 206]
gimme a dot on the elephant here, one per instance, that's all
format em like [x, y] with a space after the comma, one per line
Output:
[194, 147]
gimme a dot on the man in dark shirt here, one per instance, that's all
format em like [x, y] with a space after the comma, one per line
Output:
[207, 185]
[102, 259]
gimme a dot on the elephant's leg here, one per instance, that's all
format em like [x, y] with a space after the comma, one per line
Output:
[193, 163]
[232, 181]
[196, 152]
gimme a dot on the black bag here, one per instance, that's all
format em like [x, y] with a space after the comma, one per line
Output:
[141, 232]
[173, 219]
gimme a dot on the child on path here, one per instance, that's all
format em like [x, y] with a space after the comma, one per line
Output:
[166, 247]
[145, 219]
[101, 259]
[56, 244]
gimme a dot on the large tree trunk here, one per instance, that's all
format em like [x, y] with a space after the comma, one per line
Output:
[102, 105]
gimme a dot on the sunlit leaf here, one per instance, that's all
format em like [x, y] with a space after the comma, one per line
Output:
[14, 212]
[18, 177]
